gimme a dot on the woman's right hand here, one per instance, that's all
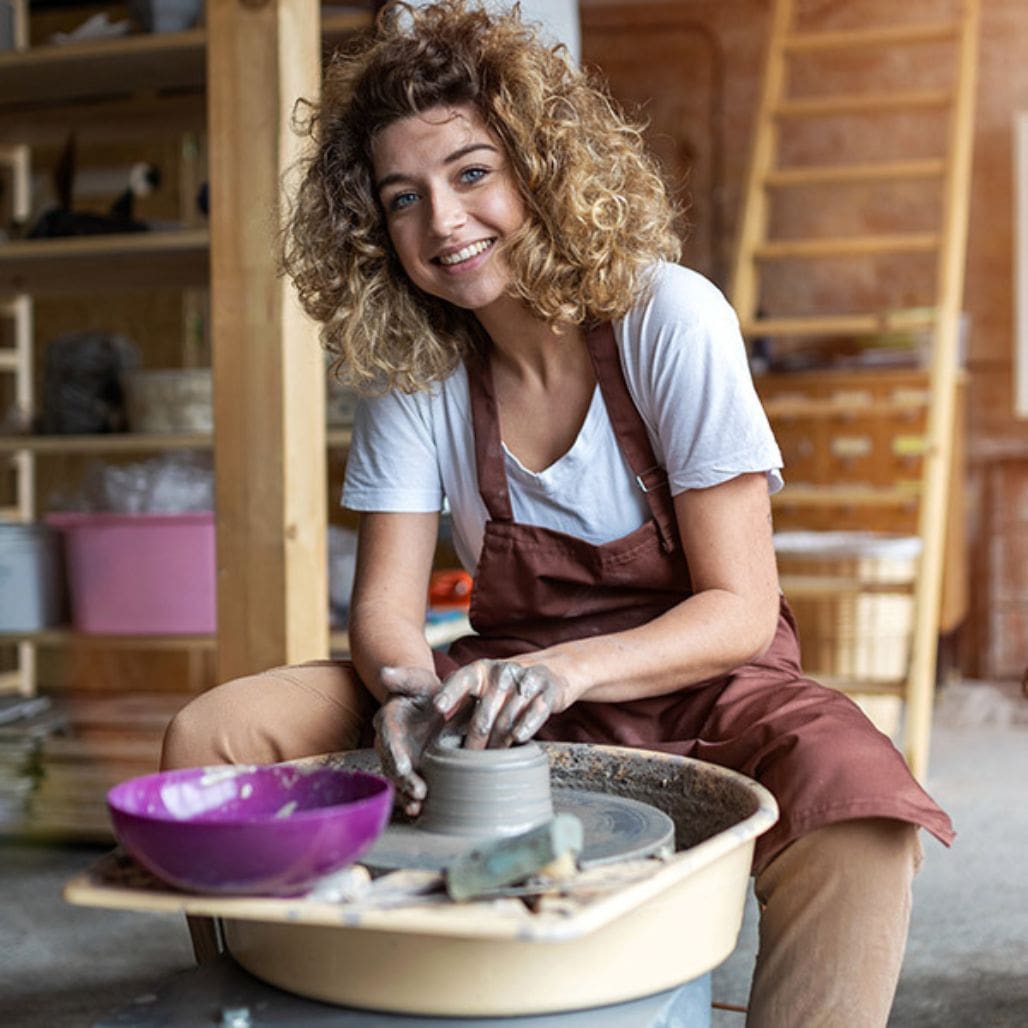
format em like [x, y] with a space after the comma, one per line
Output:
[405, 725]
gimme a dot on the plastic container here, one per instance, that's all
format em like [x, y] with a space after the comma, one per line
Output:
[30, 577]
[169, 400]
[140, 574]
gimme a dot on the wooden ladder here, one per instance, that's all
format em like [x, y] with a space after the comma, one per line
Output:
[766, 243]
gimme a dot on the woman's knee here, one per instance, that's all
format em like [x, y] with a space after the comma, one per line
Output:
[277, 715]
[196, 735]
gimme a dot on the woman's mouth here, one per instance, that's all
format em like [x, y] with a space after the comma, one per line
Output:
[465, 253]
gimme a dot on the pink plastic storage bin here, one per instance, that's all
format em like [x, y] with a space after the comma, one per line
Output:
[140, 574]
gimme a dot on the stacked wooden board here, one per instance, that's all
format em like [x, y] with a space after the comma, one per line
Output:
[105, 739]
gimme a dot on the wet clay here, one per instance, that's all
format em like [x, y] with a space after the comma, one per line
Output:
[485, 793]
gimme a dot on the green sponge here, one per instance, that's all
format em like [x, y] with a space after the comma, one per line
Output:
[514, 858]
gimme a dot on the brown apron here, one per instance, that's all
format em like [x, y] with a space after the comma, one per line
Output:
[809, 745]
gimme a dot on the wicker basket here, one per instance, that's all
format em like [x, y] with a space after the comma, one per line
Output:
[852, 596]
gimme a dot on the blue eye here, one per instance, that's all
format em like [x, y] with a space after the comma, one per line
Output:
[470, 175]
[402, 200]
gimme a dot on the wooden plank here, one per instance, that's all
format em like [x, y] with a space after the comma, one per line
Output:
[108, 442]
[863, 103]
[122, 261]
[846, 495]
[61, 637]
[871, 171]
[848, 246]
[145, 62]
[876, 36]
[837, 324]
[834, 408]
[269, 376]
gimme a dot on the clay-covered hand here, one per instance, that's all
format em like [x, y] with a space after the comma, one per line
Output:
[405, 725]
[509, 702]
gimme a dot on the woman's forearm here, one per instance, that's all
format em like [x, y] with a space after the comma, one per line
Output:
[705, 636]
[390, 594]
[381, 638]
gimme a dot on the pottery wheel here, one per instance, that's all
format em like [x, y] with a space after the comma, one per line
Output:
[477, 796]
[614, 828]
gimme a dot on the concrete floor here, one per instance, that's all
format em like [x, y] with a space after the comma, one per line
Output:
[966, 965]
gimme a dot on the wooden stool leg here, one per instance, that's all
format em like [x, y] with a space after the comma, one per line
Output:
[208, 943]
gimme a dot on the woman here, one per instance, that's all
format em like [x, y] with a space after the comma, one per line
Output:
[488, 249]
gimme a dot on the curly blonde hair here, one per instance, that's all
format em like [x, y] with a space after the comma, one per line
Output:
[598, 211]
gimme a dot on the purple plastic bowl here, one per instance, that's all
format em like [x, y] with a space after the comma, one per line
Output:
[245, 830]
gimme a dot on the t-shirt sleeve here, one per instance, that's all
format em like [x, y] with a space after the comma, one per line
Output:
[686, 366]
[392, 464]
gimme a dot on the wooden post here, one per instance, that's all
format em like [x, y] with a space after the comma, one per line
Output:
[268, 372]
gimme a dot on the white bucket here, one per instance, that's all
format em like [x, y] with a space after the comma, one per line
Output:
[30, 577]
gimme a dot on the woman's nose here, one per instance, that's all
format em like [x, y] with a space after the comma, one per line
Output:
[448, 213]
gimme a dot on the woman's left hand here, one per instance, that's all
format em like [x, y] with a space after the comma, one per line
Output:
[512, 701]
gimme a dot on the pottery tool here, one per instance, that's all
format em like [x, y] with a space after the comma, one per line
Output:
[548, 851]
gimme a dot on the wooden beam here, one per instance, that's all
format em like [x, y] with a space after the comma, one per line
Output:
[268, 369]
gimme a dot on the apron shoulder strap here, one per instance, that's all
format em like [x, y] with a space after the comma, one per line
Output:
[629, 429]
[485, 421]
[631, 432]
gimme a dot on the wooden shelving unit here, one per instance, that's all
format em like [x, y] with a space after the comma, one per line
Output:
[259, 57]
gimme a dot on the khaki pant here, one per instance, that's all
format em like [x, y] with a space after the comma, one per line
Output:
[835, 905]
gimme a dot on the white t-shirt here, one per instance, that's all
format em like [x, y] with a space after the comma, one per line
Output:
[686, 369]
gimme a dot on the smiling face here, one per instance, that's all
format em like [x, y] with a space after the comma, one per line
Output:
[449, 199]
